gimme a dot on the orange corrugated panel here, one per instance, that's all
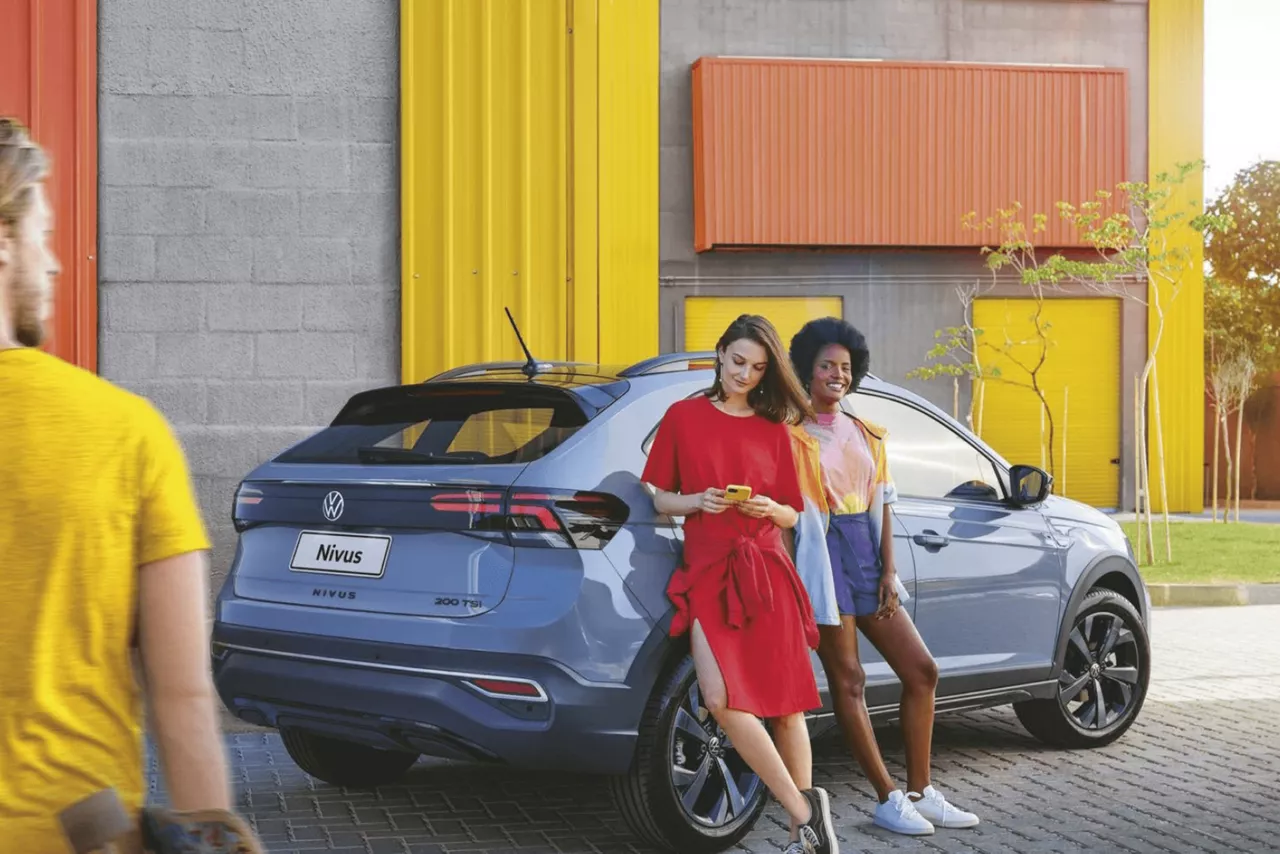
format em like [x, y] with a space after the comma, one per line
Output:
[814, 153]
[48, 79]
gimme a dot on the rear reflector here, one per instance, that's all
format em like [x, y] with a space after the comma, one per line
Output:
[509, 688]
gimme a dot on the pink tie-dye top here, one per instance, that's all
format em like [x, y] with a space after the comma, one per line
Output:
[851, 472]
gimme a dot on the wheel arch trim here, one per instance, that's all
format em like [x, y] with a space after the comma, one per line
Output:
[1107, 565]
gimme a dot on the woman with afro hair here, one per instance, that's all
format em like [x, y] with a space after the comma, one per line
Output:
[848, 568]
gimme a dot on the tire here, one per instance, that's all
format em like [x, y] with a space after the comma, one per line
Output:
[676, 732]
[345, 763]
[1070, 720]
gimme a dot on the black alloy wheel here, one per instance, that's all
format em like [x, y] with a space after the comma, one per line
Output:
[714, 785]
[688, 790]
[1100, 675]
[1104, 677]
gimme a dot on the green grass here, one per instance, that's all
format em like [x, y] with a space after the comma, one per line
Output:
[1205, 553]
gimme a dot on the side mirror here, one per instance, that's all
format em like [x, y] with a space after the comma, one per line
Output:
[1029, 484]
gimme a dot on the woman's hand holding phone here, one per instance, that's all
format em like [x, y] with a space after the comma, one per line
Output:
[712, 501]
[757, 507]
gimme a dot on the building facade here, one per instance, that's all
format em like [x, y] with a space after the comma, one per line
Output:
[270, 206]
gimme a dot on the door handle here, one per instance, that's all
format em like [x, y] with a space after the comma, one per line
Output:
[931, 540]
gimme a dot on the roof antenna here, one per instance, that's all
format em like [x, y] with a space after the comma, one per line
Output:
[530, 368]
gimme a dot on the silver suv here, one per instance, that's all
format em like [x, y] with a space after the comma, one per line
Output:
[470, 568]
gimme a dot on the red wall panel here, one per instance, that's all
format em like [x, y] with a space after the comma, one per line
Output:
[49, 80]
[839, 153]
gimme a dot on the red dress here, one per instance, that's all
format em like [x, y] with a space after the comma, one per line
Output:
[737, 579]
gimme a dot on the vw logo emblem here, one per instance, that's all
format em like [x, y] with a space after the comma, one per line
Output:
[333, 506]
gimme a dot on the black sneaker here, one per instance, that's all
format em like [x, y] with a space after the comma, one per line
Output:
[817, 833]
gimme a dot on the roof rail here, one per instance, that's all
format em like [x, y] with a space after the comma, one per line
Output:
[485, 367]
[667, 362]
[677, 362]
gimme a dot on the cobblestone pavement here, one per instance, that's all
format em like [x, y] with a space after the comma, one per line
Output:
[1200, 771]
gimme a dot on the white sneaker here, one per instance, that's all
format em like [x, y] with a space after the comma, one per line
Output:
[934, 807]
[899, 815]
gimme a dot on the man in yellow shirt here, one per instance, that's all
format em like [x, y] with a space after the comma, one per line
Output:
[102, 553]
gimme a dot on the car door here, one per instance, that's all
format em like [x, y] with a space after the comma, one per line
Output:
[651, 544]
[988, 573]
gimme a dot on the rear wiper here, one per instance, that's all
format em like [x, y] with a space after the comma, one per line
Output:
[383, 454]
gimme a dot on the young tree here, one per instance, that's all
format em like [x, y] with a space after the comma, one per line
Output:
[1218, 393]
[1132, 246]
[1242, 297]
[956, 354]
[1230, 381]
[1242, 324]
[968, 351]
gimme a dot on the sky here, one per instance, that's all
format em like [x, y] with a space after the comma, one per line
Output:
[1241, 87]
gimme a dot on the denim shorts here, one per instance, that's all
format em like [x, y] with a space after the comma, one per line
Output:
[855, 562]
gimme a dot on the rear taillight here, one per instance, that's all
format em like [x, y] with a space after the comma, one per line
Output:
[246, 496]
[475, 511]
[473, 503]
[535, 518]
[559, 520]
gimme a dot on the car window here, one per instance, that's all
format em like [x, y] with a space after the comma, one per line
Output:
[446, 424]
[927, 459]
[648, 440]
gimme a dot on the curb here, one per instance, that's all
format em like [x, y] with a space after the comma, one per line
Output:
[1202, 595]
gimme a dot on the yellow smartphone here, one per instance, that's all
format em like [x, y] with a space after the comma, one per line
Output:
[735, 492]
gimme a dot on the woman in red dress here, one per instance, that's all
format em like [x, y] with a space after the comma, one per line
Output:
[737, 593]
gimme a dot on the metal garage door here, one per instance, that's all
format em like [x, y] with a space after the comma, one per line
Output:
[1081, 379]
[705, 318]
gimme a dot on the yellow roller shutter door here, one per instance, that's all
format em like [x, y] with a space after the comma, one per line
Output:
[1081, 376]
[705, 318]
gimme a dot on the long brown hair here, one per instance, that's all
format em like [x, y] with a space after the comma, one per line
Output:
[779, 395]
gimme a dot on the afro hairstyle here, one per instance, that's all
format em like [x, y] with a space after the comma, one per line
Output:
[816, 334]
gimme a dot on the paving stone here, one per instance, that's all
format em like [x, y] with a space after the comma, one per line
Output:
[1198, 772]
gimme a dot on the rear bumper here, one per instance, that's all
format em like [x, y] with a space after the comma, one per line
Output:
[427, 700]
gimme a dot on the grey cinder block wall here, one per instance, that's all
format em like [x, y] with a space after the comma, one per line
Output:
[249, 220]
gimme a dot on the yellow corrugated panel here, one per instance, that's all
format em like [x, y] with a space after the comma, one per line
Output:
[706, 318]
[529, 173]
[1175, 103]
[628, 179]
[484, 176]
[1084, 361]
[584, 236]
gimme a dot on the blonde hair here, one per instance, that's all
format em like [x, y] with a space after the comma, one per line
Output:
[22, 165]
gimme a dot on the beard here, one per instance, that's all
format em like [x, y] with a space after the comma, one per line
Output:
[29, 306]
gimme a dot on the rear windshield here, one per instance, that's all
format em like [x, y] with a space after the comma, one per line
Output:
[458, 425]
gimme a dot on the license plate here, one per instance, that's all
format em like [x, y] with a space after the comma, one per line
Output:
[344, 554]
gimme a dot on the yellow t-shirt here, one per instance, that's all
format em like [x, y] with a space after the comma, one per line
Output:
[93, 484]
